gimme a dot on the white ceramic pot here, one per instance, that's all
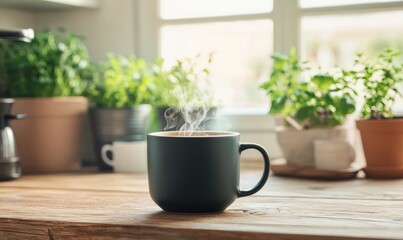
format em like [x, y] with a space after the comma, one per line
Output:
[128, 157]
[298, 146]
[333, 154]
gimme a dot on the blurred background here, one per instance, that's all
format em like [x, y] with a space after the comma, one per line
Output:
[241, 36]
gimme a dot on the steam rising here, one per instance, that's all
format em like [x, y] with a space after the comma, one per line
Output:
[190, 113]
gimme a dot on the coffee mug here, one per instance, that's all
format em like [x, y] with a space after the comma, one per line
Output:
[195, 172]
[333, 154]
[126, 156]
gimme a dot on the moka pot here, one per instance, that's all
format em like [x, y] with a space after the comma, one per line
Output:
[9, 161]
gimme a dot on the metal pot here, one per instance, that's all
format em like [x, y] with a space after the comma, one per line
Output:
[117, 124]
[9, 161]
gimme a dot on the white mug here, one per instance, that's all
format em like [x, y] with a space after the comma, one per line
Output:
[127, 156]
[333, 154]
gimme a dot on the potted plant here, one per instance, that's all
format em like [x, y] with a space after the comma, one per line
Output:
[120, 98]
[314, 107]
[46, 77]
[381, 132]
[181, 97]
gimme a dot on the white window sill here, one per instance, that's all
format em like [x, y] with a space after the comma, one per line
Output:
[255, 126]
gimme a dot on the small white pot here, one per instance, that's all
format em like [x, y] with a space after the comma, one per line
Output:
[298, 146]
[333, 154]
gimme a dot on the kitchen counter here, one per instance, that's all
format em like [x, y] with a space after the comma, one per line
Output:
[115, 205]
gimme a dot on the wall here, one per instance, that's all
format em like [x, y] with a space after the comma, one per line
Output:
[12, 18]
[108, 28]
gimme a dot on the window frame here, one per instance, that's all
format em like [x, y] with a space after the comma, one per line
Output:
[284, 13]
[256, 125]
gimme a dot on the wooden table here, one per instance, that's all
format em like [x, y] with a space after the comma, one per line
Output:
[100, 205]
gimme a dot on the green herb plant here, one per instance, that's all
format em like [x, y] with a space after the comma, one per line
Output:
[52, 64]
[189, 75]
[321, 100]
[121, 82]
[380, 80]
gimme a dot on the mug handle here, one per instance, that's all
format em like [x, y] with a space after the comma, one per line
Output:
[266, 170]
[106, 148]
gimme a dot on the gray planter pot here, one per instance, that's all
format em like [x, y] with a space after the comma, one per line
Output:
[117, 124]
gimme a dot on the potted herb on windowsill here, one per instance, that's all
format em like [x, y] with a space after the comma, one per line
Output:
[315, 108]
[120, 102]
[181, 91]
[381, 133]
[46, 77]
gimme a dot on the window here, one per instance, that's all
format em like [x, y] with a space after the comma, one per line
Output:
[332, 35]
[333, 40]
[239, 49]
[240, 41]
[243, 34]
[329, 3]
[208, 8]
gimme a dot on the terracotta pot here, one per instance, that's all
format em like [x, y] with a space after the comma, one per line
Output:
[298, 146]
[383, 147]
[49, 139]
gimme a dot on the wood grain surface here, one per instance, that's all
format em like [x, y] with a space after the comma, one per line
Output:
[115, 205]
[313, 173]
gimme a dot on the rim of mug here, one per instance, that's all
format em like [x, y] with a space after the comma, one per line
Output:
[172, 134]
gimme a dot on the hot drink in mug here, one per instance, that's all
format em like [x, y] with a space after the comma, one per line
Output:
[198, 171]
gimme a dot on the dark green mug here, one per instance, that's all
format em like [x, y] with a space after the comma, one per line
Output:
[198, 171]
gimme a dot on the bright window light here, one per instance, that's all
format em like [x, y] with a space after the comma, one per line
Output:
[241, 51]
[179, 9]
[334, 40]
[331, 3]
[329, 41]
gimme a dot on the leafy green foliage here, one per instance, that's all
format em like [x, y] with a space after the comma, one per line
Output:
[379, 80]
[51, 65]
[122, 82]
[321, 100]
[126, 82]
[188, 75]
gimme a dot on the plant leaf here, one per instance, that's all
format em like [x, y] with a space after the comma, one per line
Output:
[305, 112]
[323, 81]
